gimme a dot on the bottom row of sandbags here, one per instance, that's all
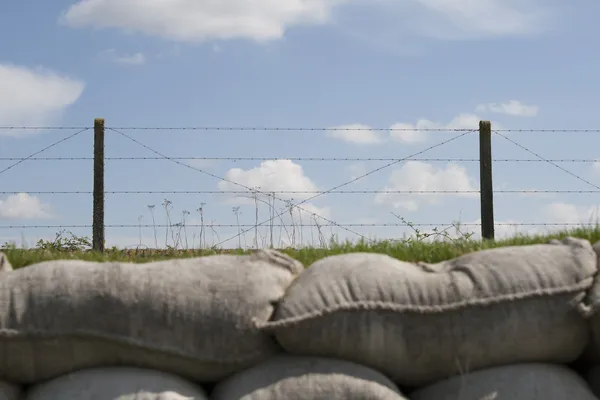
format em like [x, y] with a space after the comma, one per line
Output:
[311, 378]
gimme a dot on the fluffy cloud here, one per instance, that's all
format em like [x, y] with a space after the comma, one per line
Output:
[421, 176]
[512, 107]
[128, 59]
[356, 133]
[275, 176]
[34, 96]
[461, 19]
[404, 132]
[462, 121]
[24, 206]
[262, 20]
[196, 21]
[571, 213]
[271, 176]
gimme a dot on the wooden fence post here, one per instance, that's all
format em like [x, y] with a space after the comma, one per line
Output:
[485, 180]
[98, 211]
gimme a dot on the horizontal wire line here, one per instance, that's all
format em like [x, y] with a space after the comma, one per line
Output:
[280, 225]
[565, 160]
[257, 128]
[304, 192]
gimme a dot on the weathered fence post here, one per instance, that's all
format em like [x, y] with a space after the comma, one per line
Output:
[485, 180]
[98, 212]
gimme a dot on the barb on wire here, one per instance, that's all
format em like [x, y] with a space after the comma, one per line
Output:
[548, 161]
[251, 190]
[532, 224]
[42, 150]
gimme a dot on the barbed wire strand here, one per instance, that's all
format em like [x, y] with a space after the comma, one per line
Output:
[42, 150]
[119, 192]
[53, 128]
[206, 225]
[548, 161]
[337, 159]
[251, 190]
[258, 128]
[352, 181]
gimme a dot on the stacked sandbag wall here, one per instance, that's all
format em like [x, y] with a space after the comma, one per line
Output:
[508, 323]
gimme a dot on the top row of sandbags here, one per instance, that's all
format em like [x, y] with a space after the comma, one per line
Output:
[207, 318]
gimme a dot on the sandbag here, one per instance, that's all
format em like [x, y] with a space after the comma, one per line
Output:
[511, 382]
[9, 391]
[193, 317]
[418, 323]
[299, 378]
[592, 353]
[4, 264]
[117, 383]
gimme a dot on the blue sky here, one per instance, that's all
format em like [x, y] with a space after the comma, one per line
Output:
[523, 64]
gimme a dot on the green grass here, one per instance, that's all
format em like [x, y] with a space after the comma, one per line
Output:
[411, 249]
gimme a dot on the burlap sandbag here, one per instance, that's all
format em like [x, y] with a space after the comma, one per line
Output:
[592, 353]
[194, 317]
[511, 382]
[421, 323]
[117, 383]
[9, 391]
[4, 264]
[299, 378]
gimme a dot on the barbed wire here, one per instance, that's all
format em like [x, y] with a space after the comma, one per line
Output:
[252, 226]
[307, 129]
[308, 192]
[296, 205]
[254, 190]
[548, 161]
[54, 128]
[42, 150]
[559, 160]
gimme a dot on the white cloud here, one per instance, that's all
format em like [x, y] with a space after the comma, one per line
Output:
[403, 131]
[421, 176]
[271, 176]
[462, 19]
[128, 59]
[512, 107]
[34, 96]
[197, 21]
[571, 214]
[262, 20]
[24, 206]
[275, 176]
[356, 133]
